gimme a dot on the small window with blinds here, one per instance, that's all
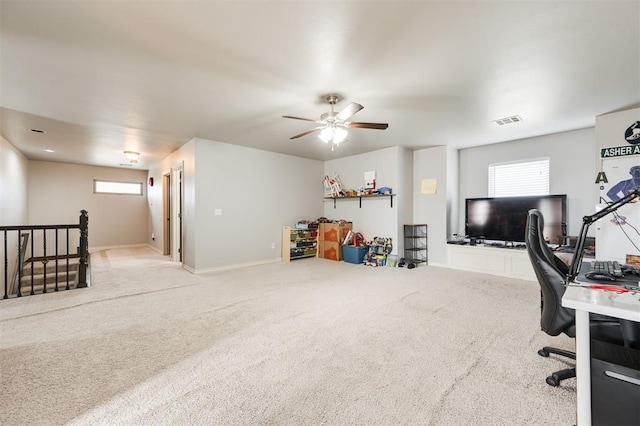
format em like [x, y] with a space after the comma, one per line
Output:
[519, 179]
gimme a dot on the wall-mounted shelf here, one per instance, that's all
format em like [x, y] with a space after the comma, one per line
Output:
[360, 197]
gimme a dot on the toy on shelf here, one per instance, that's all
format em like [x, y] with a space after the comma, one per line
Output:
[332, 186]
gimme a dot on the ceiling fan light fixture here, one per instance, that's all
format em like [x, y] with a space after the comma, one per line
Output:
[333, 126]
[326, 135]
[333, 134]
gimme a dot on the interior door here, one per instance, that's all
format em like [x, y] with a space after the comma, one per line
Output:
[177, 254]
[166, 213]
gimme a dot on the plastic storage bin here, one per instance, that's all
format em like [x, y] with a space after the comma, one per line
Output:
[353, 254]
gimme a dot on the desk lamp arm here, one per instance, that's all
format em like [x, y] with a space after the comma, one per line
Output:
[576, 261]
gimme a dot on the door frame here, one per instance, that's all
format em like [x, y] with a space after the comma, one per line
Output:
[166, 213]
[172, 206]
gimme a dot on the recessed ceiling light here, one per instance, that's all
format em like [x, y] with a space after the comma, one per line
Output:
[48, 150]
[37, 131]
[508, 120]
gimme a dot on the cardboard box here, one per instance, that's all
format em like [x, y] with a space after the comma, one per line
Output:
[330, 250]
[334, 232]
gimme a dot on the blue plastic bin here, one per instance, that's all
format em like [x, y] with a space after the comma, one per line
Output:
[353, 254]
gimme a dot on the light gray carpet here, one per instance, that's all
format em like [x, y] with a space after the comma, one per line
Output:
[302, 343]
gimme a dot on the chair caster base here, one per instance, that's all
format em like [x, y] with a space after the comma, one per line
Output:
[555, 378]
[552, 381]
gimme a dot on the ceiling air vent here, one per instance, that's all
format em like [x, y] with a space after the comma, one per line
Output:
[508, 120]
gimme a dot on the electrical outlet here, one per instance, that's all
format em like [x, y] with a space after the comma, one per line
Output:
[273, 245]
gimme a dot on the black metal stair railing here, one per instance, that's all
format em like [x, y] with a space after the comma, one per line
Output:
[14, 287]
[42, 257]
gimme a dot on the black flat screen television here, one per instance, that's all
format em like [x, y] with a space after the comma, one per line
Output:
[505, 218]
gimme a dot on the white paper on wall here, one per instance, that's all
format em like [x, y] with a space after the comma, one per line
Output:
[370, 179]
[428, 186]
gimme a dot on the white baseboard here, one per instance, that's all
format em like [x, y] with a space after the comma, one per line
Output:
[95, 249]
[156, 249]
[233, 266]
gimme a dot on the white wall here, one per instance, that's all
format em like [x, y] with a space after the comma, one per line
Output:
[613, 241]
[14, 179]
[610, 129]
[14, 201]
[572, 156]
[376, 218]
[58, 191]
[431, 163]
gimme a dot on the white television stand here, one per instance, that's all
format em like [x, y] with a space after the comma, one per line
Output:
[505, 262]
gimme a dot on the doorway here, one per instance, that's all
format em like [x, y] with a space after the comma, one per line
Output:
[172, 213]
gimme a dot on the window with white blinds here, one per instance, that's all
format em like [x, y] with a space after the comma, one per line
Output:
[519, 179]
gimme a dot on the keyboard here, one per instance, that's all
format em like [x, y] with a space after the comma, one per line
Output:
[607, 267]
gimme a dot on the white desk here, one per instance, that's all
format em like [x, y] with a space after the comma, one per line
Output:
[585, 300]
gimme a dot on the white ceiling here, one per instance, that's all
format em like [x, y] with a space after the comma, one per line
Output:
[101, 77]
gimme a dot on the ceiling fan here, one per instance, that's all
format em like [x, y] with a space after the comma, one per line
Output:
[332, 125]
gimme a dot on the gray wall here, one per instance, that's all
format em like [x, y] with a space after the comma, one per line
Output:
[402, 170]
[376, 218]
[453, 191]
[258, 192]
[58, 191]
[572, 158]
[431, 163]
[183, 157]
[405, 186]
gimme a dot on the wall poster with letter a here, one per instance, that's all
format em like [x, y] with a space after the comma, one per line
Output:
[617, 234]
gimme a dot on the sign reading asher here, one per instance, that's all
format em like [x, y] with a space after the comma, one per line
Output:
[620, 151]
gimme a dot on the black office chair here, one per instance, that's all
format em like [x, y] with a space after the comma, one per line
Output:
[556, 319]
[546, 250]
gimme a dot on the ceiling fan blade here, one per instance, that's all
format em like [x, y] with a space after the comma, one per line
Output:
[348, 111]
[298, 118]
[299, 135]
[378, 126]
